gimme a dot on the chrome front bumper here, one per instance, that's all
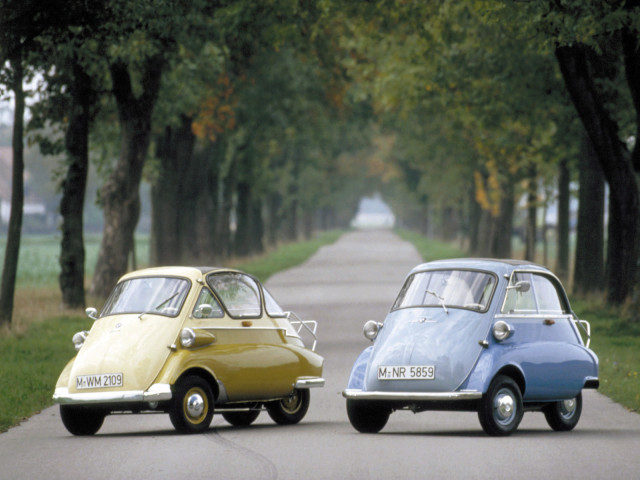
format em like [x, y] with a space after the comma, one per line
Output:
[309, 382]
[354, 394]
[156, 393]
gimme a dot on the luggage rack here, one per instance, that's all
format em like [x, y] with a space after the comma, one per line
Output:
[311, 326]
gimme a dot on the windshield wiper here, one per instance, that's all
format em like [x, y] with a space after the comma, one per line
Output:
[439, 298]
[157, 307]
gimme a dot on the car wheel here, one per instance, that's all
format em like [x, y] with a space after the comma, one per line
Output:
[81, 420]
[367, 417]
[290, 410]
[500, 410]
[564, 415]
[192, 405]
[242, 418]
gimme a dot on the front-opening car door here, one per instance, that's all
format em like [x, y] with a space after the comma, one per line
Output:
[545, 334]
[251, 357]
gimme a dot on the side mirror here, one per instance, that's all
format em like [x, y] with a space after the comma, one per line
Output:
[522, 286]
[204, 311]
[92, 313]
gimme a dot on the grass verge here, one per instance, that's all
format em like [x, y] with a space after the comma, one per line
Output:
[616, 342]
[34, 352]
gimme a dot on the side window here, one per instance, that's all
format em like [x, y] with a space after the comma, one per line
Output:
[520, 298]
[238, 293]
[530, 293]
[547, 295]
[207, 306]
[273, 309]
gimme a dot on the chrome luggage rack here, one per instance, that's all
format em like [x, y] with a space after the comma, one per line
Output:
[311, 326]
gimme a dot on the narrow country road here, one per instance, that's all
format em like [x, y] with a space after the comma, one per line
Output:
[341, 287]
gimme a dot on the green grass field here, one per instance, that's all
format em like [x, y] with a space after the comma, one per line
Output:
[35, 351]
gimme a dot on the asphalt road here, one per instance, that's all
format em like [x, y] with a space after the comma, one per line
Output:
[342, 286]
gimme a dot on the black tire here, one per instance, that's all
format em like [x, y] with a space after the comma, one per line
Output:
[290, 410]
[500, 410]
[564, 415]
[81, 420]
[242, 418]
[367, 417]
[192, 405]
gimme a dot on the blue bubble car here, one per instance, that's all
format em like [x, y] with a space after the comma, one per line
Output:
[493, 336]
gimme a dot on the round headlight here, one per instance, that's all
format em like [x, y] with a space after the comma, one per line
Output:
[502, 330]
[187, 337]
[371, 329]
[78, 339]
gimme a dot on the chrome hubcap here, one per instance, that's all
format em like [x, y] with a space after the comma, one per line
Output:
[568, 407]
[195, 405]
[504, 406]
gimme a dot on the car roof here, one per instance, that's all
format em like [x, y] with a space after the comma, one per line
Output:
[192, 273]
[497, 265]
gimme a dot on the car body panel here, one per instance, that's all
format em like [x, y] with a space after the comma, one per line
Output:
[252, 355]
[135, 347]
[543, 352]
[407, 331]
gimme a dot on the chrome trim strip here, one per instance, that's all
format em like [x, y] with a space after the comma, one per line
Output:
[310, 382]
[207, 327]
[412, 396]
[156, 393]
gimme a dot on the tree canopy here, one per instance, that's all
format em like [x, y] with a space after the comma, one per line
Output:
[258, 122]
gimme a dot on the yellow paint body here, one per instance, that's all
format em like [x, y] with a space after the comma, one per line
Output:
[247, 359]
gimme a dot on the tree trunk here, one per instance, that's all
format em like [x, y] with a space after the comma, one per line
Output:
[624, 221]
[531, 233]
[241, 241]
[503, 226]
[564, 197]
[120, 194]
[72, 253]
[12, 250]
[475, 215]
[589, 259]
[170, 194]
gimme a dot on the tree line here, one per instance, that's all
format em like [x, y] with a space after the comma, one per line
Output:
[258, 122]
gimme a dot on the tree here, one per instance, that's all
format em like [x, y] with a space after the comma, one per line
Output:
[589, 260]
[10, 268]
[140, 39]
[20, 23]
[578, 32]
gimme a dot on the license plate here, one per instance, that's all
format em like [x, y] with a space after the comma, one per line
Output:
[102, 380]
[407, 372]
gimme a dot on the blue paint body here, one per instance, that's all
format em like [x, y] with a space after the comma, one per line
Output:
[545, 353]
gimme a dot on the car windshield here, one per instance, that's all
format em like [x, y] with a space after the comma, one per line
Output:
[163, 295]
[447, 288]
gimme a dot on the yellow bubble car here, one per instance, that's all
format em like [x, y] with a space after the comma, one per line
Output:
[189, 342]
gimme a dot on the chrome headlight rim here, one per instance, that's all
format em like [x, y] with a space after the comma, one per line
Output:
[502, 330]
[371, 329]
[78, 339]
[187, 337]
